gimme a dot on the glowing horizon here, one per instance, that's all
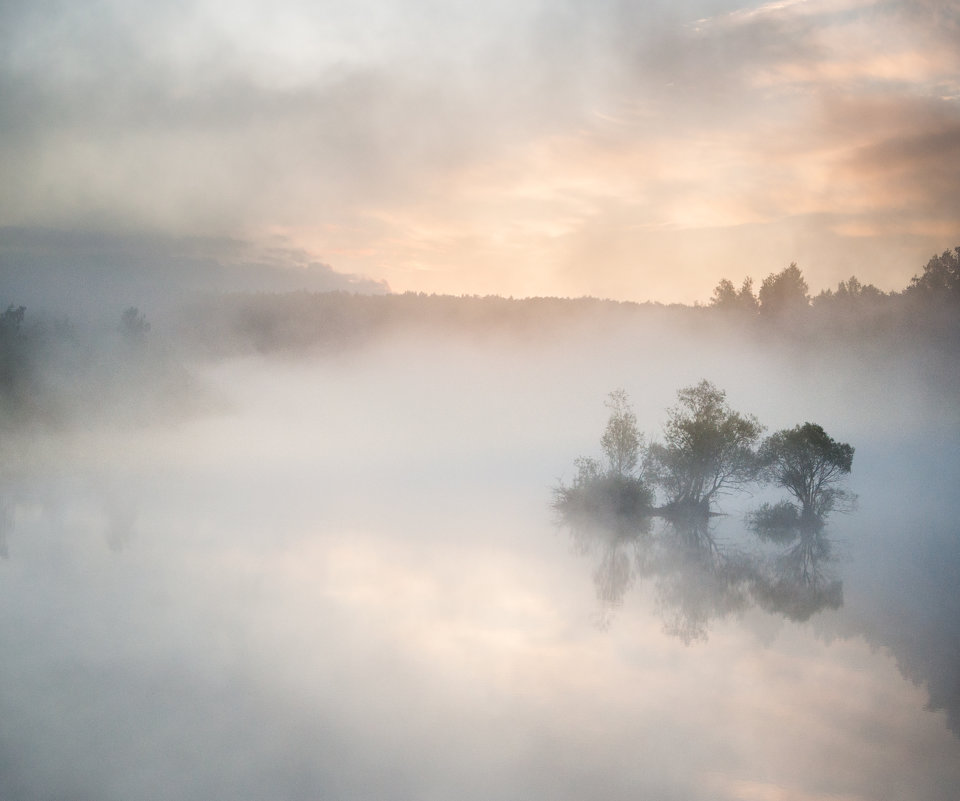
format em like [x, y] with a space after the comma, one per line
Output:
[637, 153]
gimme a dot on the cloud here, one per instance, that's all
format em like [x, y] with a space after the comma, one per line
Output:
[81, 274]
[456, 148]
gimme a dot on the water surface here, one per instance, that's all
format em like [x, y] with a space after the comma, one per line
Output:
[349, 583]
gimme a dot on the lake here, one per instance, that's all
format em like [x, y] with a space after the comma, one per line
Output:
[346, 580]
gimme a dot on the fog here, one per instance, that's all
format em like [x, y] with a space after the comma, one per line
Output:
[336, 572]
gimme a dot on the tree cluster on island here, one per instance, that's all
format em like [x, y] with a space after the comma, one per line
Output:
[707, 450]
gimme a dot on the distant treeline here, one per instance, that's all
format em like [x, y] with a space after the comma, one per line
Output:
[928, 308]
[54, 372]
[48, 365]
[787, 293]
[266, 322]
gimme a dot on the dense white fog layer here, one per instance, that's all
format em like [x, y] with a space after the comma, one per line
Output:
[344, 579]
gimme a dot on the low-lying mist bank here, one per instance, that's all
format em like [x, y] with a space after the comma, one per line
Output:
[54, 371]
[95, 358]
[303, 546]
[319, 563]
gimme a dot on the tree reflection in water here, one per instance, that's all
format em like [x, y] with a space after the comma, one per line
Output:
[620, 545]
[801, 581]
[697, 578]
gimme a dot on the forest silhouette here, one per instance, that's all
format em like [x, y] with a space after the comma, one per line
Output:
[53, 365]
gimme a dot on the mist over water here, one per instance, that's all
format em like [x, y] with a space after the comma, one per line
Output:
[341, 577]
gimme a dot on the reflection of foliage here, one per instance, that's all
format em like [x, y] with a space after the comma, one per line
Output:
[621, 558]
[708, 448]
[777, 522]
[810, 465]
[613, 575]
[697, 580]
[800, 582]
[620, 547]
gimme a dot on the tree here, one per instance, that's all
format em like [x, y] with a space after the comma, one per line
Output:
[853, 290]
[745, 297]
[941, 276]
[618, 503]
[810, 465]
[784, 292]
[726, 296]
[850, 294]
[621, 440]
[708, 449]
[617, 497]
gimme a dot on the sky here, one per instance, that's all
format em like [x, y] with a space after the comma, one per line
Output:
[630, 150]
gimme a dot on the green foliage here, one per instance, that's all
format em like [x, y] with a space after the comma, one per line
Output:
[614, 496]
[604, 497]
[810, 465]
[940, 277]
[621, 441]
[728, 298]
[56, 374]
[708, 448]
[784, 292]
[850, 294]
